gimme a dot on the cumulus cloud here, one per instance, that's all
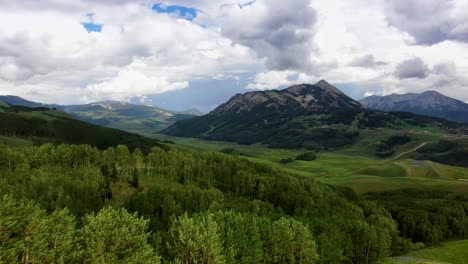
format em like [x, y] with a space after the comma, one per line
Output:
[279, 32]
[135, 81]
[47, 55]
[447, 69]
[366, 61]
[430, 21]
[276, 79]
[412, 68]
[138, 51]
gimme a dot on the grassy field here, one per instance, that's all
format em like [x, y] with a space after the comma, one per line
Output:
[348, 167]
[14, 141]
[453, 252]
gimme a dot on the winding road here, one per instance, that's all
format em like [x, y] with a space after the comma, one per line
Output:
[409, 151]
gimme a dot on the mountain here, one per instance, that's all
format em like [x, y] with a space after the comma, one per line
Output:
[42, 125]
[314, 116]
[16, 100]
[297, 99]
[125, 116]
[193, 112]
[429, 103]
[120, 115]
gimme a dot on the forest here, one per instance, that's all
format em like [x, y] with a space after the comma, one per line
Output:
[78, 204]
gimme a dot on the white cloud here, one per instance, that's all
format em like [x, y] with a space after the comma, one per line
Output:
[138, 51]
[283, 35]
[430, 21]
[275, 79]
[47, 55]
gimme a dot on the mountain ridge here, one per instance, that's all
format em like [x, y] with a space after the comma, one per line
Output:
[39, 125]
[297, 98]
[314, 116]
[129, 117]
[430, 103]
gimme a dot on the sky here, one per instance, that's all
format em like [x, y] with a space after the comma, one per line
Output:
[182, 54]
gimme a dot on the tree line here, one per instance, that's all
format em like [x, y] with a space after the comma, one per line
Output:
[119, 206]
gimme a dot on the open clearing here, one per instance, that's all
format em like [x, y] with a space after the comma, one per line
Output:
[359, 171]
[452, 252]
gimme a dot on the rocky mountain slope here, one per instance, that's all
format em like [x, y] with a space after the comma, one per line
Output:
[429, 103]
[314, 116]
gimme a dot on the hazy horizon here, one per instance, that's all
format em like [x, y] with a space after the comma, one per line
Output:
[181, 54]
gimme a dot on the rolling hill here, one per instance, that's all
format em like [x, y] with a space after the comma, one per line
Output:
[42, 125]
[429, 103]
[133, 118]
[16, 100]
[312, 116]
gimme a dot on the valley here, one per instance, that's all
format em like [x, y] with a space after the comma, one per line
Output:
[355, 167]
[354, 186]
[233, 132]
[125, 116]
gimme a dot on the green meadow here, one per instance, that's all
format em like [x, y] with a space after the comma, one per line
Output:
[453, 252]
[354, 167]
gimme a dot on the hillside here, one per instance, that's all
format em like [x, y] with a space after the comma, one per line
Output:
[312, 116]
[42, 125]
[429, 103]
[129, 117]
[16, 100]
[125, 116]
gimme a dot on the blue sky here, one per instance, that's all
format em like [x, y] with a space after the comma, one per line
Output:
[187, 13]
[73, 52]
[90, 27]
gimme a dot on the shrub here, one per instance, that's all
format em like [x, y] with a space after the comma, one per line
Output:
[308, 156]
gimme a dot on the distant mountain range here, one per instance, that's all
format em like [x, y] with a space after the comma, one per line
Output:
[429, 103]
[39, 125]
[16, 100]
[125, 116]
[313, 116]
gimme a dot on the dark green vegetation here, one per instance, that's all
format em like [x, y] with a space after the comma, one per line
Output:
[318, 117]
[429, 103]
[453, 153]
[133, 118]
[41, 125]
[199, 208]
[217, 202]
[308, 156]
[429, 217]
[386, 148]
[433, 211]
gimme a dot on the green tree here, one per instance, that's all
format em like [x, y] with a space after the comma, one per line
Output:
[29, 235]
[115, 236]
[241, 237]
[195, 241]
[290, 241]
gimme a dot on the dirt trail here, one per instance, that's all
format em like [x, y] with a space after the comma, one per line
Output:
[409, 151]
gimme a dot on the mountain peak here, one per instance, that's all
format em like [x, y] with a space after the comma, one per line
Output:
[432, 92]
[299, 98]
[430, 103]
[327, 86]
